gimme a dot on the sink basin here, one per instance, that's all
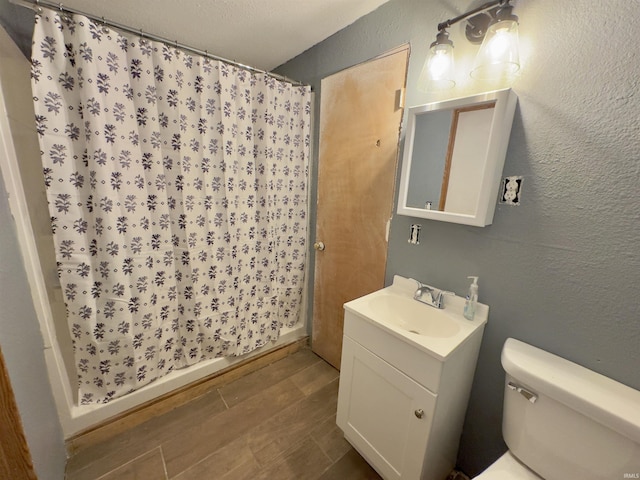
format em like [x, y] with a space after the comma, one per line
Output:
[438, 332]
[415, 317]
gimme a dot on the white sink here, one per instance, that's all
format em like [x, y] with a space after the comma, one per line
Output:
[410, 315]
[436, 331]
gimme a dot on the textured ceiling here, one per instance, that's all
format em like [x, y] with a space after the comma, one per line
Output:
[259, 33]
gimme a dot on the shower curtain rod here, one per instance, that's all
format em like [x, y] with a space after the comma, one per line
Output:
[37, 5]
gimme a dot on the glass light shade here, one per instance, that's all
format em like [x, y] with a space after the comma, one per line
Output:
[499, 54]
[437, 72]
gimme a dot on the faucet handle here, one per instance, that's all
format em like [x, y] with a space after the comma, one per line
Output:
[440, 297]
[421, 290]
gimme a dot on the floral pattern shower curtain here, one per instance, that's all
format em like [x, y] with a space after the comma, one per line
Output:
[177, 187]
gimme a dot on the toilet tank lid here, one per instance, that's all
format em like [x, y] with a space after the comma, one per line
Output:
[610, 403]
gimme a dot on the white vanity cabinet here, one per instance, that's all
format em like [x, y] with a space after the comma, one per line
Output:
[401, 407]
[376, 417]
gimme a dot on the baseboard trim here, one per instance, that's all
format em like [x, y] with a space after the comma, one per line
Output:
[165, 403]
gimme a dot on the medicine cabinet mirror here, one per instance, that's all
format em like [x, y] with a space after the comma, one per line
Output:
[453, 158]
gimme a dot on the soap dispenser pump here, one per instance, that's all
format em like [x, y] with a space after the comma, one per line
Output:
[472, 300]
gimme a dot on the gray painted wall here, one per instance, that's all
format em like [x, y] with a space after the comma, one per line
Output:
[562, 270]
[23, 349]
[18, 22]
[20, 338]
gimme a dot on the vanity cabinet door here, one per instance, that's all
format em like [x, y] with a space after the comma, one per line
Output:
[383, 413]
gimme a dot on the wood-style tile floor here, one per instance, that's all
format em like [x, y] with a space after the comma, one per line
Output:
[276, 423]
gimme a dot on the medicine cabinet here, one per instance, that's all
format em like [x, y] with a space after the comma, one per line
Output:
[453, 158]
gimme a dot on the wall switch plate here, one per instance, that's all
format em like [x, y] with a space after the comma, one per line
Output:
[511, 190]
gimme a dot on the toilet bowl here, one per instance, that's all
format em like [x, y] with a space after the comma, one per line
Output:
[507, 467]
[561, 421]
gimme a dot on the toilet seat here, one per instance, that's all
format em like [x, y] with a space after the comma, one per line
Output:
[507, 467]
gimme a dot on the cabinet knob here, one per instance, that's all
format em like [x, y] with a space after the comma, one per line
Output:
[318, 246]
[419, 413]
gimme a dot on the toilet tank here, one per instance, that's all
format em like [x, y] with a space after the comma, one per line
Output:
[564, 421]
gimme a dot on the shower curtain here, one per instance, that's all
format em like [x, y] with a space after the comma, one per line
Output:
[177, 188]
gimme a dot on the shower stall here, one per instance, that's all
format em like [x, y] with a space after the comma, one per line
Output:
[176, 186]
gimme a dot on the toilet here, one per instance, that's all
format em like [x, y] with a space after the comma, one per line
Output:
[562, 421]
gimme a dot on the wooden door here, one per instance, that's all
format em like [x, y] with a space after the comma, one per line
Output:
[15, 459]
[360, 119]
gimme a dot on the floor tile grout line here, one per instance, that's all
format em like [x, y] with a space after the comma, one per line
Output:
[283, 454]
[130, 461]
[301, 388]
[238, 467]
[164, 464]
[244, 435]
[222, 398]
[288, 377]
[331, 462]
[240, 406]
[316, 441]
[152, 443]
[209, 456]
[318, 360]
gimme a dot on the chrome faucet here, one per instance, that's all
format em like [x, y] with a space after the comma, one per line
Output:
[430, 296]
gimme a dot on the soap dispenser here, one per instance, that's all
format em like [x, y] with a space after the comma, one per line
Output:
[472, 300]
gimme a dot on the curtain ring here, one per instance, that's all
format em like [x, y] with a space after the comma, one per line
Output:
[63, 15]
[38, 8]
[105, 27]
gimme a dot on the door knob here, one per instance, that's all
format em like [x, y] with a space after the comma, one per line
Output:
[318, 246]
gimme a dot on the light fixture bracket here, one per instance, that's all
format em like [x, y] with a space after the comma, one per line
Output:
[505, 12]
[479, 19]
[477, 25]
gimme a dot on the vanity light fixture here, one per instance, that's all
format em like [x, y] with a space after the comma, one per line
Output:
[499, 54]
[437, 72]
[495, 26]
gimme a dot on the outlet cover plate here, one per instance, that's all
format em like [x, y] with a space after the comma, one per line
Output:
[511, 190]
